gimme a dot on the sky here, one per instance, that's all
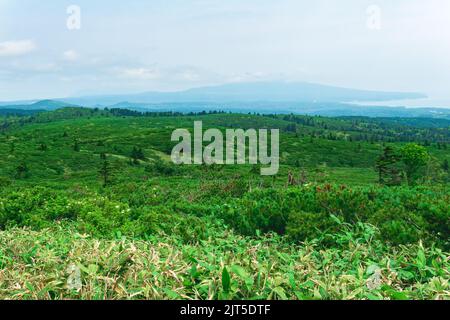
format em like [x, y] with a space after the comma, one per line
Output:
[166, 45]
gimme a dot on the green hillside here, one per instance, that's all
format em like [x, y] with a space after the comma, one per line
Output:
[92, 207]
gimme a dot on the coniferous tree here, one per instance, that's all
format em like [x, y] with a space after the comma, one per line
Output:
[105, 172]
[387, 167]
[136, 155]
[76, 146]
[140, 154]
[22, 171]
[445, 165]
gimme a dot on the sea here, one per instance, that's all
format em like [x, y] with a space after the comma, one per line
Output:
[408, 103]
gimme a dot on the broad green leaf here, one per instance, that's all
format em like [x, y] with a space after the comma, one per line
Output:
[226, 280]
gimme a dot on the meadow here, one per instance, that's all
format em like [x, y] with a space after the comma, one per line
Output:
[91, 207]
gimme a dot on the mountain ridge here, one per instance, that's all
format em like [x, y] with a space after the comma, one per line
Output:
[45, 105]
[250, 92]
[261, 97]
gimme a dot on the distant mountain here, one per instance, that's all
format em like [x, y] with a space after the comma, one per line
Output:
[250, 92]
[329, 109]
[44, 105]
[261, 97]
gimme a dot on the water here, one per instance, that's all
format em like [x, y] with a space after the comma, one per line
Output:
[409, 103]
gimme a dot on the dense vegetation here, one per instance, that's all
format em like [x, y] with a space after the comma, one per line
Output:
[91, 207]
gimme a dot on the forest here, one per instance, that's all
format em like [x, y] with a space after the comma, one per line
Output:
[92, 207]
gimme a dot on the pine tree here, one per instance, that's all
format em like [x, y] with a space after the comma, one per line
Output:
[140, 154]
[387, 167]
[136, 155]
[445, 165]
[76, 146]
[22, 171]
[105, 172]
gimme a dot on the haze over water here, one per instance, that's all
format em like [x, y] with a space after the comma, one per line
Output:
[409, 103]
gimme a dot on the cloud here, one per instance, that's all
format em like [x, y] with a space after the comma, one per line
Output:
[140, 73]
[16, 48]
[189, 75]
[255, 76]
[71, 55]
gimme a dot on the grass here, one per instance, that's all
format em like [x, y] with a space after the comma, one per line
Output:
[44, 265]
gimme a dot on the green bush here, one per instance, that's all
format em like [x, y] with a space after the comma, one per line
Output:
[403, 215]
[96, 215]
[302, 225]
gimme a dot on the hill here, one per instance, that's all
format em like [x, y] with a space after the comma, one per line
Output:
[261, 97]
[92, 198]
[18, 112]
[251, 92]
[46, 105]
[306, 141]
[328, 109]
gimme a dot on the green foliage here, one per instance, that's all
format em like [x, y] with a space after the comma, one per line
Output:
[403, 215]
[60, 263]
[94, 214]
[388, 169]
[22, 171]
[105, 171]
[161, 168]
[308, 225]
[445, 166]
[161, 231]
[76, 146]
[414, 157]
[137, 154]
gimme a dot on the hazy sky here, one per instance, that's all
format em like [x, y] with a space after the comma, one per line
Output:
[144, 45]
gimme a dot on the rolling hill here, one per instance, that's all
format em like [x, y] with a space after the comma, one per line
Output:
[46, 105]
